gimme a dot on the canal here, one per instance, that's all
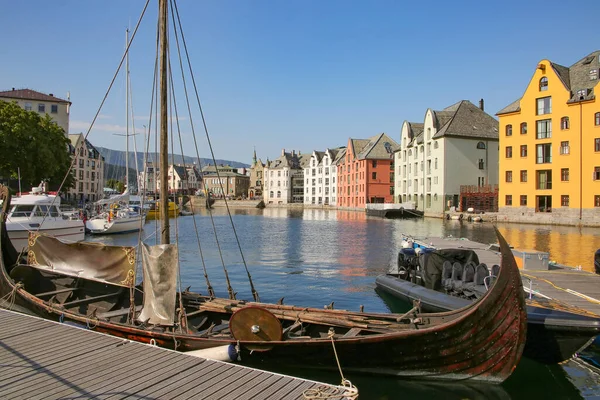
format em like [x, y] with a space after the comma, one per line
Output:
[317, 257]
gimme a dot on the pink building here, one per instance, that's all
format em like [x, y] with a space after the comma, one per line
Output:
[366, 173]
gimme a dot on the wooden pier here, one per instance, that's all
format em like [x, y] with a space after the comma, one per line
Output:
[41, 359]
[572, 286]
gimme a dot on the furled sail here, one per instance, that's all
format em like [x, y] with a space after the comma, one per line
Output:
[160, 284]
[117, 198]
[95, 261]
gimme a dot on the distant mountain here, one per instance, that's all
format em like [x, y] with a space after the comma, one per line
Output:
[117, 158]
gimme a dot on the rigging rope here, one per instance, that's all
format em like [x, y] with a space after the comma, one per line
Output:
[101, 104]
[254, 292]
[230, 290]
[11, 296]
[211, 292]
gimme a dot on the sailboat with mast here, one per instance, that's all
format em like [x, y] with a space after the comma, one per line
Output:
[115, 214]
[95, 285]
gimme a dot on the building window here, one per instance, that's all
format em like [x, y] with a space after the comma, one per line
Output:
[428, 133]
[544, 129]
[544, 153]
[508, 151]
[374, 163]
[27, 106]
[481, 164]
[596, 200]
[564, 200]
[523, 200]
[374, 175]
[523, 175]
[435, 164]
[564, 174]
[508, 176]
[597, 119]
[523, 150]
[543, 84]
[508, 130]
[597, 173]
[544, 180]
[41, 107]
[481, 145]
[564, 147]
[564, 123]
[54, 108]
[544, 105]
[508, 200]
[523, 128]
[435, 144]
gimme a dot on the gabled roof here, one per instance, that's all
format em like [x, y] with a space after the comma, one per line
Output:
[576, 78]
[341, 153]
[180, 171]
[358, 145]
[512, 107]
[378, 147]
[28, 94]
[289, 160]
[468, 120]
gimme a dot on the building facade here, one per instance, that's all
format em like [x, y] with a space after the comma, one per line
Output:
[226, 184]
[366, 172]
[320, 177]
[43, 104]
[454, 147]
[550, 147]
[284, 178]
[255, 191]
[88, 170]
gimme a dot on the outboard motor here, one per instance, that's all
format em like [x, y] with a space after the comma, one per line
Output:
[597, 262]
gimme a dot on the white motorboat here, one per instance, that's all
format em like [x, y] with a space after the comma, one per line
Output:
[40, 212]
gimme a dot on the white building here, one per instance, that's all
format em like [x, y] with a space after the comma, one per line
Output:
[43, 104]
[284, 177]
[320, 177]
[453, 147]
[181, 179]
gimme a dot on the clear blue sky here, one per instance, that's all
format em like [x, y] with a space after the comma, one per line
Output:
[302, 75]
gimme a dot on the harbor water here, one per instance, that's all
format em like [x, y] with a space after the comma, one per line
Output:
[316, 257]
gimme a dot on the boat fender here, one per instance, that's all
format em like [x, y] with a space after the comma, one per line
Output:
[226, 353]
[460, 217]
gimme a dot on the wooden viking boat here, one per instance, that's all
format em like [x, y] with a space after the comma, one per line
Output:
[483, 341]
[94, 286]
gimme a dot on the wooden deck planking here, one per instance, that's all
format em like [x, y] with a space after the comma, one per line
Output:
[41, 359]
[552, 283]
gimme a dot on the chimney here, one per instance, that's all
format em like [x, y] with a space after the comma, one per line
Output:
[293, 153]
[481, 104]
[13, 89]
[282, 152]
[51, 95]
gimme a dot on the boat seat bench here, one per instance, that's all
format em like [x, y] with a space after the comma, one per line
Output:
[90, 299]
[58, 291]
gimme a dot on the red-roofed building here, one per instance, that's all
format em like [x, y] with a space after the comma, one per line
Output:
[42, 103]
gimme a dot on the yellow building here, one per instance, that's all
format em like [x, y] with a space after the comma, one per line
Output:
[550, 147]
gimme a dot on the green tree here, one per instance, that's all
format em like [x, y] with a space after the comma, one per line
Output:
[36, 145]
[115, 184]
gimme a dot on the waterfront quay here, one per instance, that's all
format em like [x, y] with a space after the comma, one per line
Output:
[41, 359]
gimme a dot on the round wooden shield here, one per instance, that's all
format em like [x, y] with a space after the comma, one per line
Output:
[255, 324]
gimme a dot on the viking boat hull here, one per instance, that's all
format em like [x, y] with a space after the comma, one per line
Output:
[482, 341]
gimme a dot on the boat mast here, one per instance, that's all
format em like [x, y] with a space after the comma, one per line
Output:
[164, 143]
[126, 110]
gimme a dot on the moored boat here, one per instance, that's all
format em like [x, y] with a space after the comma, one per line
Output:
[41, 212]
[451, 278]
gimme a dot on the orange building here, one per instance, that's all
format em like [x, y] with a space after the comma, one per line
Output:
[366, 173]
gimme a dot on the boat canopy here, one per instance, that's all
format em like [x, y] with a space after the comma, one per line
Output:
[108, 264]
[36, 199]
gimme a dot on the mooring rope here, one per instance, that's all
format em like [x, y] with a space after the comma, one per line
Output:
[346, 391]
[10, 297]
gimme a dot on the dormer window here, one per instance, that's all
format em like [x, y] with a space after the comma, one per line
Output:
[543, 84]
[481, 145]
[581, 94]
